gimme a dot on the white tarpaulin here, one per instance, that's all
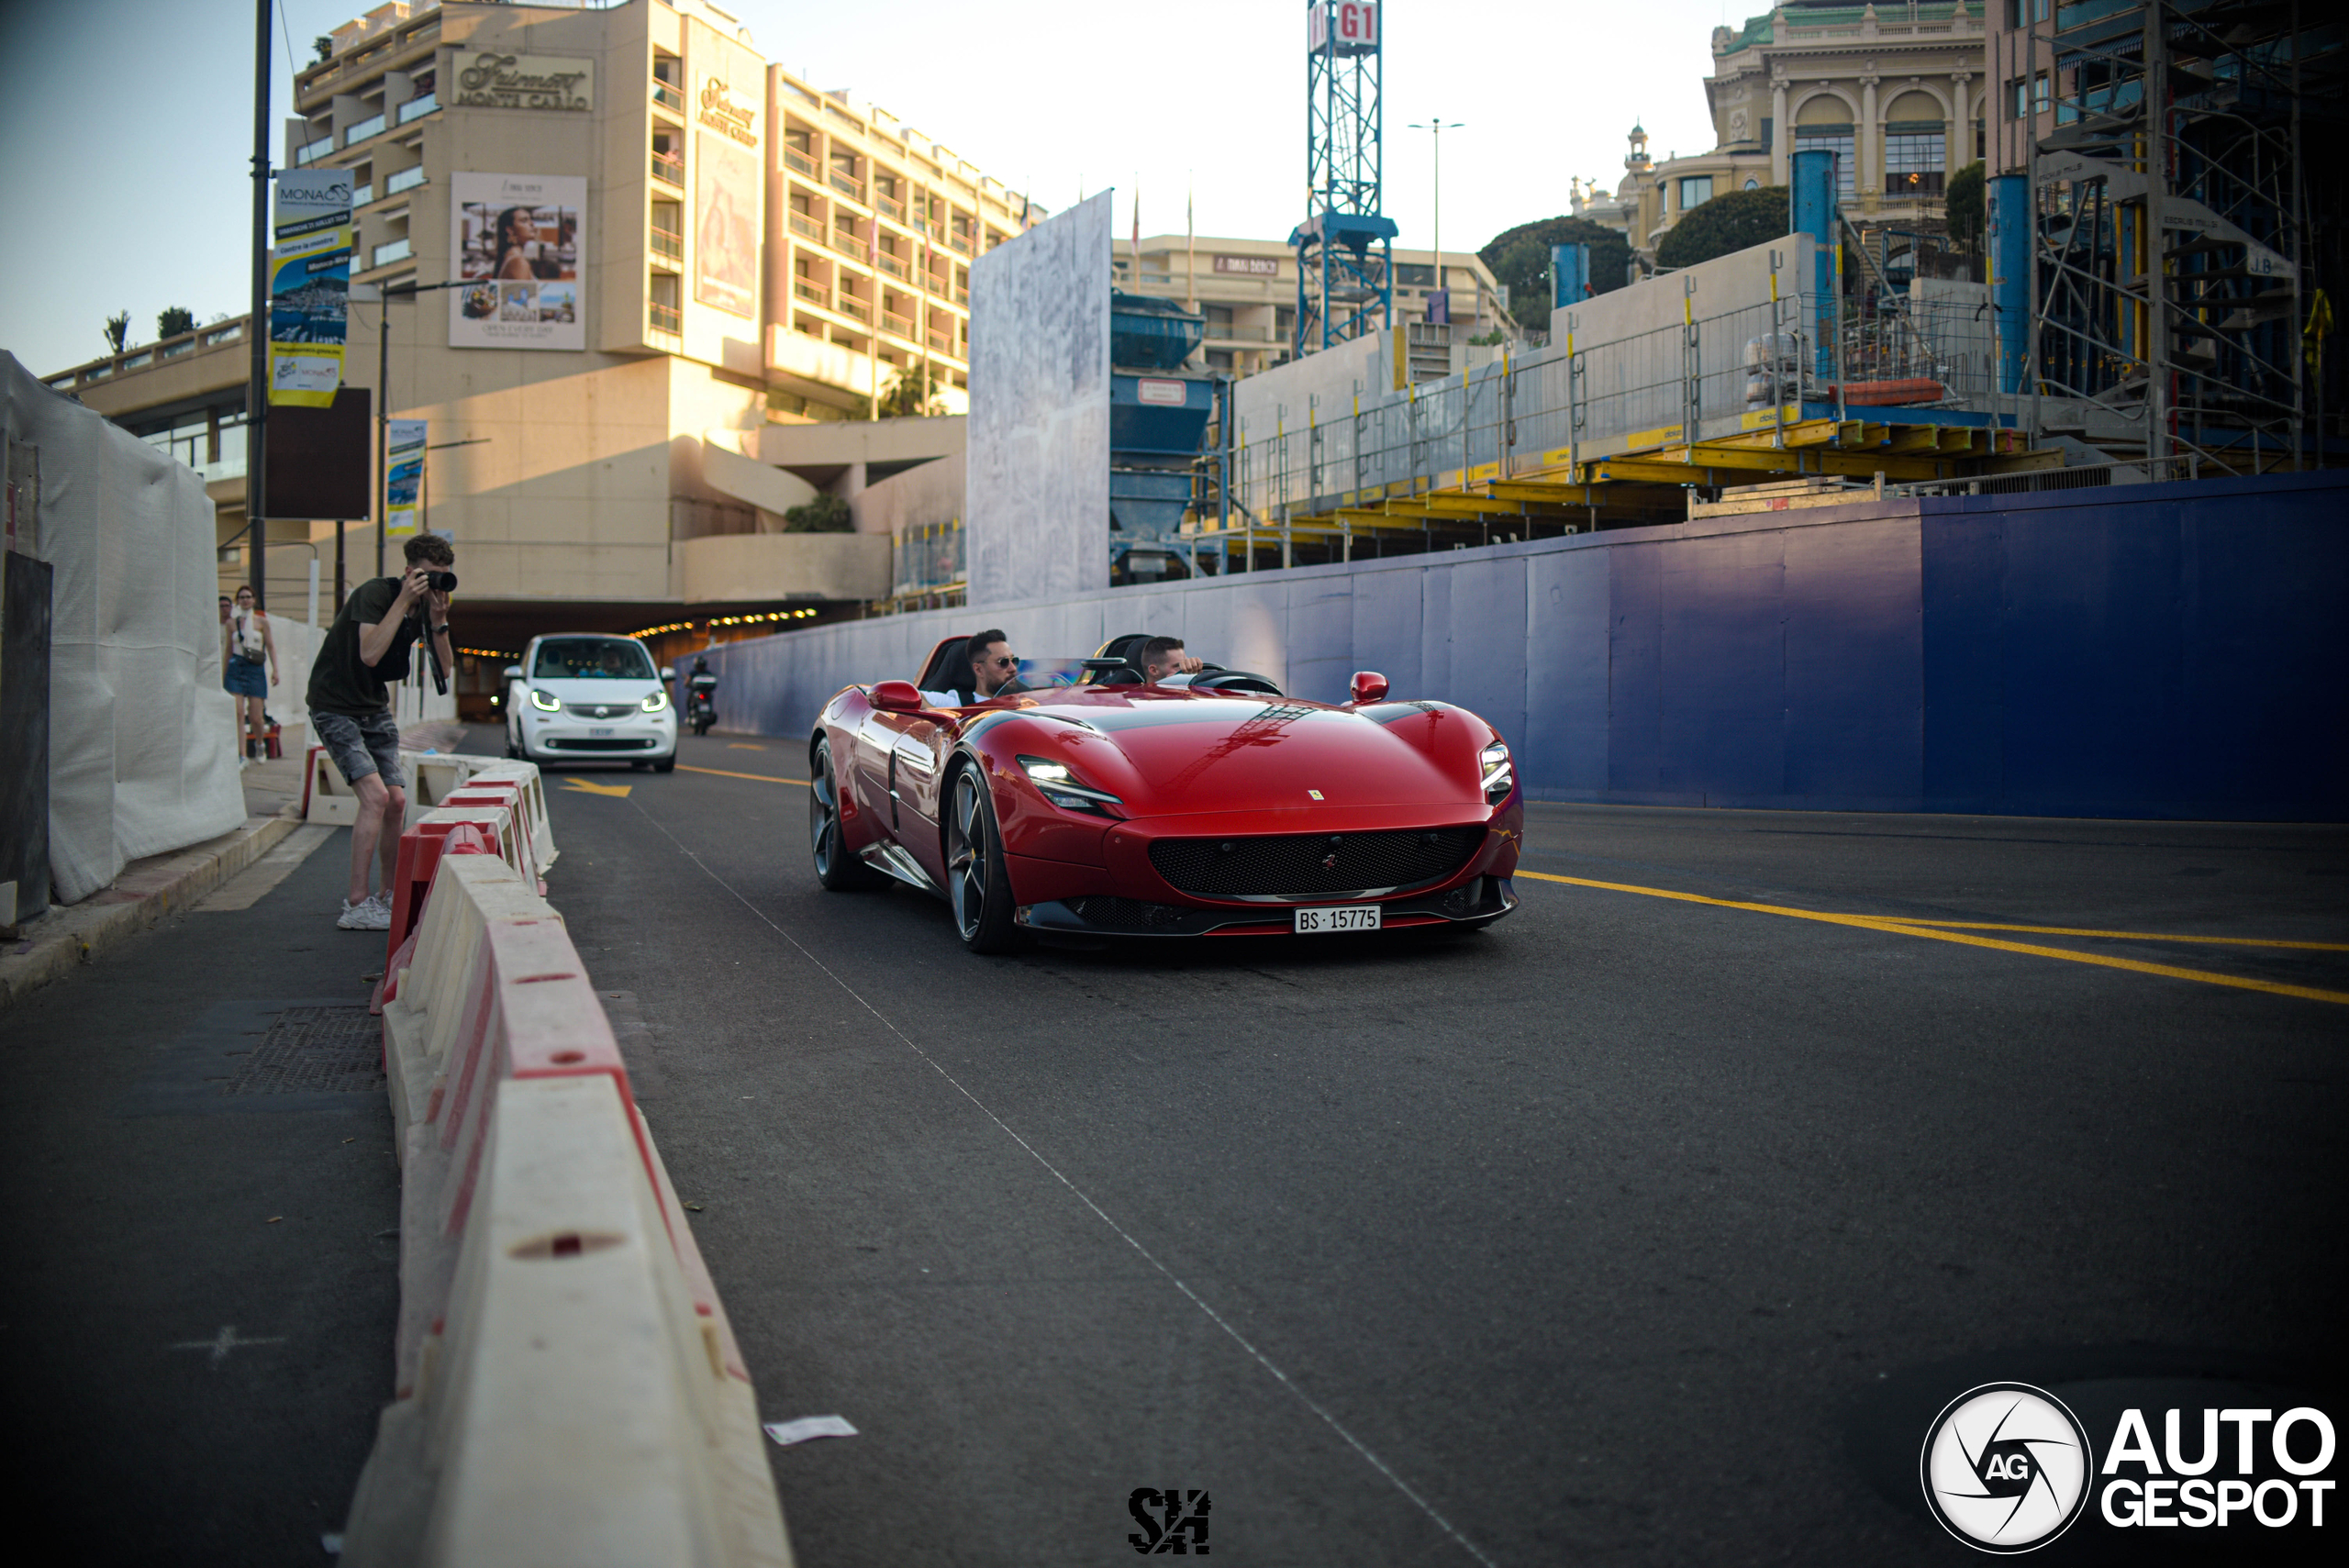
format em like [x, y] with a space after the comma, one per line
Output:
[139, 725]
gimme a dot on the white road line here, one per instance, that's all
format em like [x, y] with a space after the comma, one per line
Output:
[1214, 1316]
[244, 889]
[220, 1344]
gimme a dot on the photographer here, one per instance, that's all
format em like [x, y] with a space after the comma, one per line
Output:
[350, 703]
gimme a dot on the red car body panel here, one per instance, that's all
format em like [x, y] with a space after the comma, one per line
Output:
[1206, 773]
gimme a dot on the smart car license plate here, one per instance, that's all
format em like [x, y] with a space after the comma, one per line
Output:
[1337, 917]
[601, 730]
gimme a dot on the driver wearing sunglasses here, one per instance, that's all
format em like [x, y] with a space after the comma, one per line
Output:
[995, 672]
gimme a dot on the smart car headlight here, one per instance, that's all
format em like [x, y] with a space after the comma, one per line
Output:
[545, 701]
[1058, 785]
[656, 702]
[1501, 773]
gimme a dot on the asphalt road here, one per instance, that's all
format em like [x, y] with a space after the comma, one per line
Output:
[1634, 1230]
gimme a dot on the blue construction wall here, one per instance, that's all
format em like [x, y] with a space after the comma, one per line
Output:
[2170, 652]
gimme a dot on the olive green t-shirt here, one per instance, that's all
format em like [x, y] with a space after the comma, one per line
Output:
[339, 681]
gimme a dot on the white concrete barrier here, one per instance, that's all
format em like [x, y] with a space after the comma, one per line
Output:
[568, 1387]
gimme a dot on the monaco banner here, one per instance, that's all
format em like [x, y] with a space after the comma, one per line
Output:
[309, 286]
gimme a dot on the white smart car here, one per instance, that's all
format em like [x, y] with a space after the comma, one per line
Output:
[588, 697]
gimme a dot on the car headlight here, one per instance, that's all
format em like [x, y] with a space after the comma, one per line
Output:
[656, 702]
[1056, 784]
[545, 702]
[1500, 775]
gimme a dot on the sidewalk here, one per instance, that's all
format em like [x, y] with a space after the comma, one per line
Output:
[51, 948]
[204, 1231]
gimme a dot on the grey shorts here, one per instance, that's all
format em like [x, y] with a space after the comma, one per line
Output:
[362, 746]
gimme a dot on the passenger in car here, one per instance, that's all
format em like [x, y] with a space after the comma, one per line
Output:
[994, 673]
[1163, 656]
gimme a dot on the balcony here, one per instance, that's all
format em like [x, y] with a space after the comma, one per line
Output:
[937, 285]
[959, 244]
[798, 162]
[889, 208]
[361, 194]
[855, 309]
[962, 296]
[941, 342]
[845, 241]
[892, 266]
[814, 294]
[669, 243]
[313, 151]
[667, 96]
[848, 185]
[898, 325]
[391, 250]
[806, 227]
[669, 170]
[667, 318]
[372, 125]
[418, 108]
[405, 179]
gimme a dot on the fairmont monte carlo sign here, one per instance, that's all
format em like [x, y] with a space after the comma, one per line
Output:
[491, 81]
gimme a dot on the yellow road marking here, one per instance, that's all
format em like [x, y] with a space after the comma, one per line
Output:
[2120, 935]
[721, 773]
[743, 746]
[583, 787]
[1879, 923]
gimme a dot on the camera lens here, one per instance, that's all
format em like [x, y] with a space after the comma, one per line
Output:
[442, 581]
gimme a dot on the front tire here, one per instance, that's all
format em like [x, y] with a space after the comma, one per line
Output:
[835, 869]
[666, 765]
[977, 885]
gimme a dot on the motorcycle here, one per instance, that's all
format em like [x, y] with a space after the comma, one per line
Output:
[701, 709]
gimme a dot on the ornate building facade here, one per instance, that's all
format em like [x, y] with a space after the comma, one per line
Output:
[1896, 91]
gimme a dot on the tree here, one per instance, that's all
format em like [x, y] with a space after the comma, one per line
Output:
[174, 320]
[118, 331]
[827, 513]
[912, 394]
[1520, 259]
[325, 45]
[1725, 225]
[1962, 204]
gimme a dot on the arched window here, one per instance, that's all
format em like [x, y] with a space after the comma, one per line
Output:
[1753, 185]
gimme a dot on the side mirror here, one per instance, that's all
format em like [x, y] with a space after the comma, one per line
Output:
[1369, 686]
[512, 673]
[668, 672]
[898, 696]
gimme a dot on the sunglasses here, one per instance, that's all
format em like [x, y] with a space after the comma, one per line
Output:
[1005, 662]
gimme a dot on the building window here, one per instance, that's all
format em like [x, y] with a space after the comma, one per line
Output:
[1836, 139]
[2023, 13]
[1751, 184]
[1913, 159]
[1769, 132]
[2038, 95]
[1696, 190]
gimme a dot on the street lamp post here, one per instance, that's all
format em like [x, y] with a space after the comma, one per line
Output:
[1437, 128]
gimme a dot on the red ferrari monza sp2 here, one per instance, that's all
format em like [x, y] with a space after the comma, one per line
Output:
[1114, 807]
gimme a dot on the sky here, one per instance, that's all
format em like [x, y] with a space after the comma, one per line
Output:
[128, 124]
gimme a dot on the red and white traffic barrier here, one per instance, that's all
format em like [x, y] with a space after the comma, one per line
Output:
[567, 1388]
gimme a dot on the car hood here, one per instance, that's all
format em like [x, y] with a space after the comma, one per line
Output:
[1172, 752]
[599, 691]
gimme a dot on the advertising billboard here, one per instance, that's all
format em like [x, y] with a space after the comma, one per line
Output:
[403, 476]
[726, 225]
[518, 243]
[309, 286]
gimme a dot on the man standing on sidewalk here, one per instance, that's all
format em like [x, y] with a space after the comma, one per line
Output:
[351, 710]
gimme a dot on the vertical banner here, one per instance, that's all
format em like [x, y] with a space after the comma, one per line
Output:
[309, 286]
[726, 204]
[518, 238]
[403, 477]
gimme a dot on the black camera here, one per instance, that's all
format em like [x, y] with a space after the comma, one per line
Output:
[441, 582]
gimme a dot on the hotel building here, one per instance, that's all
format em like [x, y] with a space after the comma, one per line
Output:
[675, 274]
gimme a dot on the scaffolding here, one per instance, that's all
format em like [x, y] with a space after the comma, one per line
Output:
[2169, 262]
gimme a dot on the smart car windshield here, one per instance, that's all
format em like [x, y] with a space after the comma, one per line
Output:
[592, 658]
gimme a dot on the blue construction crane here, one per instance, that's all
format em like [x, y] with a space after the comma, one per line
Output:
[1345, 270]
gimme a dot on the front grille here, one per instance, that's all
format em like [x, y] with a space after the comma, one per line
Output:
[600, 745]
[1299, 865]
[600, 710]
[1114, 914]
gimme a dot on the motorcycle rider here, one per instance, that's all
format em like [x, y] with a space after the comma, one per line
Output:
[701, 694]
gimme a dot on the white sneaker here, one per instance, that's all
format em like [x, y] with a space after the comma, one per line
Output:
[365, 915]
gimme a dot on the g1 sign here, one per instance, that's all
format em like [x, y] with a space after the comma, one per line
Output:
[1353, 23]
